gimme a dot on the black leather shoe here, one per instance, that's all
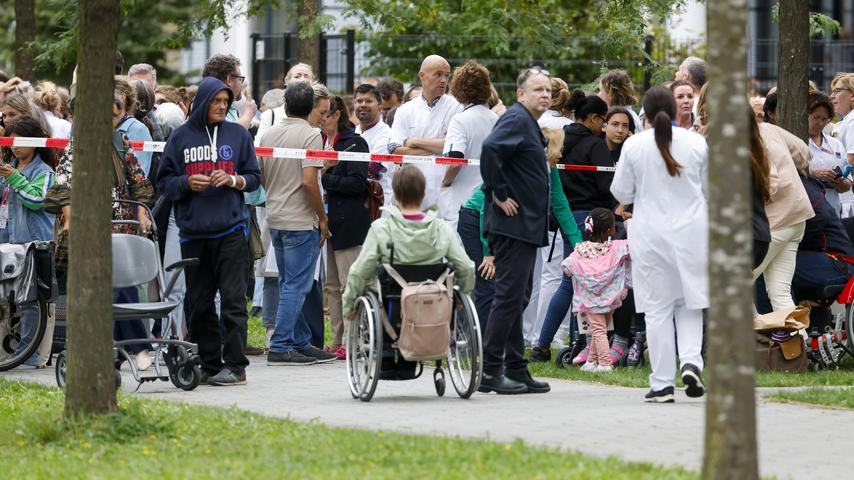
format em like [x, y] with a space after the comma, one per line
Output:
[523, 376]
[501, 385]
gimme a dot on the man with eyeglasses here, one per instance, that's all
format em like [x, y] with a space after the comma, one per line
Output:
[515, 184]
[226, 68]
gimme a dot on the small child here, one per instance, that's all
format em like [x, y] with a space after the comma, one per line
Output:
[601, 279]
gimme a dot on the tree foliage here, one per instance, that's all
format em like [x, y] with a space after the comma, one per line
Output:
[574, 39]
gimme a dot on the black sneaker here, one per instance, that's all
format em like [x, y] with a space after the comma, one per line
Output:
[539, 354]
[319, 355]
[693, 382]
[664, 395]
[501, 385]
[293, 357]
[227, 378]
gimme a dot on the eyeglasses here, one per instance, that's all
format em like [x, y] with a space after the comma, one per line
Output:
[241, 77]
[535, 70]
[528, 73]
[839, 90]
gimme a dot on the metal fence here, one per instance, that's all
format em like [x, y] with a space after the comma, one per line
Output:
[344, 59]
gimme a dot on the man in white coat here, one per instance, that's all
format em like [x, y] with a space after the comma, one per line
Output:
[420, 124]
[668, 241]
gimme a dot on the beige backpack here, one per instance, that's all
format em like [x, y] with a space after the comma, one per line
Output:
[425, 317]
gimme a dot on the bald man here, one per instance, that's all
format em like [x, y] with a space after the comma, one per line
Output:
[420, 125]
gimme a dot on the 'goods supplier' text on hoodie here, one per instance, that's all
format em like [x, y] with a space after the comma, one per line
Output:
[197, 148]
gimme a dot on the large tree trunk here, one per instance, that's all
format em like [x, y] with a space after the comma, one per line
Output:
[91, 386]
[730, 444]
[25, 33]
[308, 49]
[793, 55]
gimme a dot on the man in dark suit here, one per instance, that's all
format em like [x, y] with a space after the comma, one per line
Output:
[516, 184]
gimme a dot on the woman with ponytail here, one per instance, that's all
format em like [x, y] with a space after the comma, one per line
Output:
[662, 173]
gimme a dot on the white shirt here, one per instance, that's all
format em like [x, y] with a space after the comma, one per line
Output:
[669, 230]
[553, 119]
[417, 119]
[59, 128]
[378, 138]
[270, 116]
[466, 133]
[830, 154]
[844, 132]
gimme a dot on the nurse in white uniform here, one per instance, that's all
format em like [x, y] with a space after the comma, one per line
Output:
[668, 241]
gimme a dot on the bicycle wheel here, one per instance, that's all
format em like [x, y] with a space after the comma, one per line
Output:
[10, 328]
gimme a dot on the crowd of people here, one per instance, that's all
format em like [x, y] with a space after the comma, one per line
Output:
[552, 256]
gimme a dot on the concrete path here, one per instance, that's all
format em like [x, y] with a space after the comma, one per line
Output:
[794, 440]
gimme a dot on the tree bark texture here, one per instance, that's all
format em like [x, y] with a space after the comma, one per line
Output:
[793, 59]
[91, 384]
[25, 33]
[308, 49]
[730, 440]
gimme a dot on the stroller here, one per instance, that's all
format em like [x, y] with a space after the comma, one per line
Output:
[136, 262]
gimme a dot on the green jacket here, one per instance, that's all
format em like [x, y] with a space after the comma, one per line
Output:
[415, 243]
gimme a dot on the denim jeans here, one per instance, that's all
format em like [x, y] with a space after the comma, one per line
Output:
[296, 258]
[29, 325]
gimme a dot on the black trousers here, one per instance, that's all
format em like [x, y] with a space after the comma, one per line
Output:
[469, 229]
[504, 343]
[312, 310]
[224, 266]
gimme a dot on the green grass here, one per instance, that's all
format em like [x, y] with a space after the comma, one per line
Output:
[826, 397]
[627, 377]
[257, 332]
[149, 438]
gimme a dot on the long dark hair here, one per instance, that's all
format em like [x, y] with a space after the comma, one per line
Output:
[584, 106]
[659, 104]
[27, 126]
[759, 162]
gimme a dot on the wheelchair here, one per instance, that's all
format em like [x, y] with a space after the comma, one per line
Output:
[137, 262]
[372, 355]
[27, 276]
[832, 337]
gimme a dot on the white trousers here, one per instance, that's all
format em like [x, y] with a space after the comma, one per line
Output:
[547, 277]
[778, 267]
[667, 328]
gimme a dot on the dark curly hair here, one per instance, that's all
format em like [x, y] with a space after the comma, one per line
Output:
[471, 84]
[817, 100]
[221, 66]
[597, 225]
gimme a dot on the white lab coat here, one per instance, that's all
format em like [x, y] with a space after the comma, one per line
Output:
[669, 231]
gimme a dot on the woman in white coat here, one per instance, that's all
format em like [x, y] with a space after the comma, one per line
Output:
[662, 171]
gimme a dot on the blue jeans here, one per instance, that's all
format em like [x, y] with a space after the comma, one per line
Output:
[561, 302]
[296, 258]
[29, 325]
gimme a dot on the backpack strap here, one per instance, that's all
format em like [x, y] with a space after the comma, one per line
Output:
[395, 275]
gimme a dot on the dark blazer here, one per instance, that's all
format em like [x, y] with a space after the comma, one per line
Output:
[346, 185]
[586, 190]
[513, 164]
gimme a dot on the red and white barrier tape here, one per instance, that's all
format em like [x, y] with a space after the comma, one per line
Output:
[294, 153]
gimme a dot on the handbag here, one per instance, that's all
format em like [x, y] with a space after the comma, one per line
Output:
[787, 356]
[256, 246]
[374, 199]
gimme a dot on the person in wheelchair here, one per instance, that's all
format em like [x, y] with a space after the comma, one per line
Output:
[825, 256]
[419, 238]
[25, 176]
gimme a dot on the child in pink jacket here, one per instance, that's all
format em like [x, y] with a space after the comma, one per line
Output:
[600, 271]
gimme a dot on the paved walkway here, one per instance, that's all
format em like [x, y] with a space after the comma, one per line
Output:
[575, 415]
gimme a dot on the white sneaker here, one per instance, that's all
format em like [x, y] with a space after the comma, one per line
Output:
[589, 367]
[604, 368]
[143, 361]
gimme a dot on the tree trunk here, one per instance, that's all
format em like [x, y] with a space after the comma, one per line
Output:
[308, 49]
[25, 33]
[91, 386]
[793, 56]
[730, 443]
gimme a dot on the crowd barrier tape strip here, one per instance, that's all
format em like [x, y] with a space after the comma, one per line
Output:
[294, 153]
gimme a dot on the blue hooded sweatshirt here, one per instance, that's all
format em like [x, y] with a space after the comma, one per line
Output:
[215, 211]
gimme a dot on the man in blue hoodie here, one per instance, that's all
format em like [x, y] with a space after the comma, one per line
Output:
[206, 166]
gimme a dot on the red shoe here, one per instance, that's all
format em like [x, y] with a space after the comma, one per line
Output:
[341, 353]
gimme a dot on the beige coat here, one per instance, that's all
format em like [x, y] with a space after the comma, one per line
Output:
[787, 154]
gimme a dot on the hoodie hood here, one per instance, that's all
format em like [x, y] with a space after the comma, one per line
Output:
[208, 89]
[574, 133]
[414, 241]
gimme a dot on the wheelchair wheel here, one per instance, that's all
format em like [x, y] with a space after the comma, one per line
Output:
[364, 346]
[61, 368]
[10, 330]
[465, 362]
[849, 326]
